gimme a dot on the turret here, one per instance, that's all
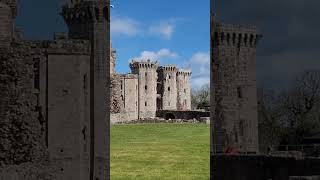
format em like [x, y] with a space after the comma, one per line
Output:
[184, 91]
[147, 73]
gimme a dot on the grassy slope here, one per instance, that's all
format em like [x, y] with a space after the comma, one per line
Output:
[160, 151]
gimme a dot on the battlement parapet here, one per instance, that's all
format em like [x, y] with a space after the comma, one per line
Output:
[184, 72]
[168, 68]
[236, 35]
[144, 64]
[128, 76]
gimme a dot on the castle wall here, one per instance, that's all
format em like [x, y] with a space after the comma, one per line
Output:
[184, 91]
[168, 91]
[147, 80]
[234, 54]
[129, 90]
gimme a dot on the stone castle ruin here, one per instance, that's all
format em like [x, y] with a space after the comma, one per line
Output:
[54, 92]
[147, 89]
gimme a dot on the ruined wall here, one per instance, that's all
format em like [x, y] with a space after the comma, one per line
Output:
[184, 90]
[147, 80]
[129, 95]
[235, 61]
[20, 128]
[167, 80]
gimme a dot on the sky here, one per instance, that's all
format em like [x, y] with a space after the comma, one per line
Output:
[178, 33]
[166, 31]
[291, 38]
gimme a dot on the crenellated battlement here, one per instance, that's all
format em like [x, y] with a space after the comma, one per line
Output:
[184, 72]
[236, 35]
[172, 68]
[79, 12]
[12, 4]
[143, 64]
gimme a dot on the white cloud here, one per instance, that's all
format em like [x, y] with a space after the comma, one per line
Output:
[158, 56]
[200, 66]
[164, 29]
[124, 26]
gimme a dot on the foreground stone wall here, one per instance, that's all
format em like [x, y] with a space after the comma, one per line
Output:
[225, 167]
[20, 127]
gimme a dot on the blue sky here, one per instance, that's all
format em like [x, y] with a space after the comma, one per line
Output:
[170, 32]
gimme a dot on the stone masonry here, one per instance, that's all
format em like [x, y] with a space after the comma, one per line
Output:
[235, 103]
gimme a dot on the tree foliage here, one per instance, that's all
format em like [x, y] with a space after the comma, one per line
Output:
[200, 98]
[291, 114]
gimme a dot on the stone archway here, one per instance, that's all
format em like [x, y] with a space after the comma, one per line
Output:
[170, 116]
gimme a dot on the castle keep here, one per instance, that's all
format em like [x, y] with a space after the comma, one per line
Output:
[147, 89]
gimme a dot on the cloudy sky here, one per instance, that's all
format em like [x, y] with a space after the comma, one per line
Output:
[168, 31]
[291, 35]
[178, 33]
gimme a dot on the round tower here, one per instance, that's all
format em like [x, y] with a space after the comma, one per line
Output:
[8, 12]
[147, 87]
[167, 87]
[184, 90]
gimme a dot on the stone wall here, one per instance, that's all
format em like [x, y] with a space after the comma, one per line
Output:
[224, 167]
[21, 129]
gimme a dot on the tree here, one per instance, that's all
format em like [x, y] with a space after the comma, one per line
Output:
[289, 116]
[301, 105]
[200, 98]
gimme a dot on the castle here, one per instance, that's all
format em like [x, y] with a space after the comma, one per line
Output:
[148, 89]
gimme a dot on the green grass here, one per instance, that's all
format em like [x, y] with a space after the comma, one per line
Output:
[160, 151]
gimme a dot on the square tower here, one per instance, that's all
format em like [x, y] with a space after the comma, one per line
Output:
[235, 93]
[147, 87]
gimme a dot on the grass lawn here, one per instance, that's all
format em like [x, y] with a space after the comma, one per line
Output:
[160, 151]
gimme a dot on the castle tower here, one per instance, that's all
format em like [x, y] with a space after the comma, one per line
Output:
[183, 89]
[167, 88]
[8, 13]
[147, 88]
[234, 55]
[90, 20]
